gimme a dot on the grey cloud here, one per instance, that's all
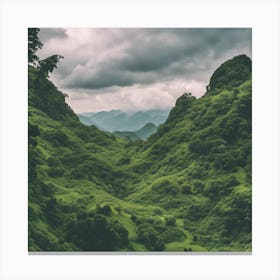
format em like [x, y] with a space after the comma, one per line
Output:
[96, 59]
[158, 48]
[138, 68]
[49, 33]
[159, 54]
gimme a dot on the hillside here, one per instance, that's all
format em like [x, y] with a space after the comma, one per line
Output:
[186, 188]
[128, 135]
[147, 130]
[142, 133]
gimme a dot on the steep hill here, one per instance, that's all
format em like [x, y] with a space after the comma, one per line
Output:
[203, 151]
[186, 188]
[232, 73]
[147, 130]
[71, 167]
[128, 135]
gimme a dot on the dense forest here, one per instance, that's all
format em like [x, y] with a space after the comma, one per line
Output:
[185, 188]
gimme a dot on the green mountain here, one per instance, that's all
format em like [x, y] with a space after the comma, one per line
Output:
[85, 120]
[128, 135]
[116, 120]
[142, 133]
[186, 188]
[147, 130]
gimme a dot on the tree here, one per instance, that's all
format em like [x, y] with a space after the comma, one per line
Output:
[186, 189]
[119, 209]
[105, 210]
[149, 236]
[170, 221]
[47, 65]
[34, 44]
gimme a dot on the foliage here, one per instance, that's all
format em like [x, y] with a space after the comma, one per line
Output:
[173, 234]
[170, 221]
[149, 236]
[47, 65]
[232, 73]
[34, 44]
[97, 233]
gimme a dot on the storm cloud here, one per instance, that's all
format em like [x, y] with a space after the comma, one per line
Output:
[138, 66]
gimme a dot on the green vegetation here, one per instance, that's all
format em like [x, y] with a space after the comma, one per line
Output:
[128, 135]
[186, 188]
[34, 45]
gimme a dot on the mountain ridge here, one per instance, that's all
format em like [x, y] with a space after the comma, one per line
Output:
[117, 120]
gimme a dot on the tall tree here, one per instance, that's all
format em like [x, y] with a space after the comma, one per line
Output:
[47, 65]
[34, 44]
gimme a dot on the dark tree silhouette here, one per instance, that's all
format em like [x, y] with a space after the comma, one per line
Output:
[34, 44]
[47, 65]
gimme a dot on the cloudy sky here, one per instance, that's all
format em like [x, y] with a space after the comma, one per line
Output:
[137, 69]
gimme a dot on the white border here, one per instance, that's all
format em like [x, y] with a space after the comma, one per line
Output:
[262, 16]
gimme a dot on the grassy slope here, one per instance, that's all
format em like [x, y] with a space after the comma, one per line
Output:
[165, 176]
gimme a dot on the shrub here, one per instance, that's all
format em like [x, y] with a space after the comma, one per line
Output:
[186, 189]
[135, 219]
[196, 172]
[170, 221]
[213, 188]
[218, 188]
[148, 235]
[173, 234]
[41, 241]
[98, 234]
[52, 161]
[48, 190]
[197, 211]
[56, 137]
[230, 181]
[232, 220]
[158, 211]
[33, 130]
[197, 186]
[105, 210]
[56, 171]
[166, 187]
[124, 160]
[160, 149]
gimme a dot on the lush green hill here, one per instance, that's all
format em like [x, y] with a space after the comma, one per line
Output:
[128, 135]
[147, 130]
[187, 187]
[142, 133]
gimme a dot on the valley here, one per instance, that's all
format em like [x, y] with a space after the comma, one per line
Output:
[184, 187]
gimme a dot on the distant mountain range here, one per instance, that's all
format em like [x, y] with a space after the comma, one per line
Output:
[117, 120]
[142, 133]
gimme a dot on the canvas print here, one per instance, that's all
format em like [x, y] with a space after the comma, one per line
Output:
[139, 140]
